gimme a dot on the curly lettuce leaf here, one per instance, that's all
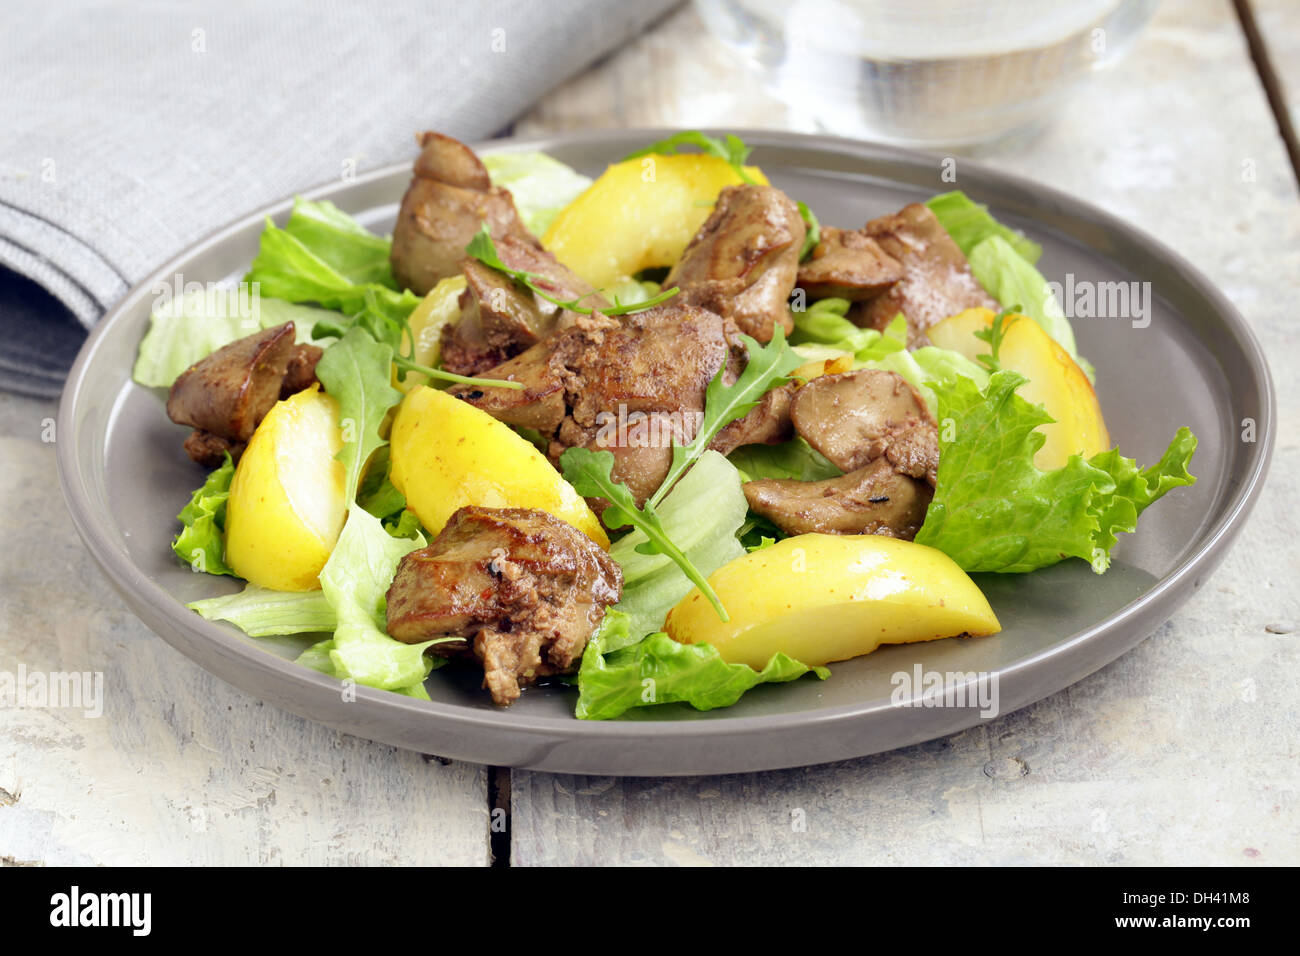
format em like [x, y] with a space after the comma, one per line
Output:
[338, 240]
[323, 256]
[824, 325]
[969, 223]
[202, 542]
[994, 510]
[618, 674]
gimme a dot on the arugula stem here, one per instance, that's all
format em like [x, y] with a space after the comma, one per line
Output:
[409, 366]
[674, 553]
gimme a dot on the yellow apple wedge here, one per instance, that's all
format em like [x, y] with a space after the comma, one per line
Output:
[639, 214]
[823, 597]
[447, 454]
[287, 499]
[1055, 381]
[440, 307]
[816, 368]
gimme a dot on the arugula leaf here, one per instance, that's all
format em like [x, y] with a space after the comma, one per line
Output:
[201, 543]
[701, 515]
[616, 676]
[768, 366]
[994, 335]
[356, 371]
[318, 658]
[814, 230]
[994, 510]
[482, 248]
[377, 493]
[730, 148]
[590, 474]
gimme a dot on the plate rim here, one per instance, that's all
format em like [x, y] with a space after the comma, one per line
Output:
[134, 585]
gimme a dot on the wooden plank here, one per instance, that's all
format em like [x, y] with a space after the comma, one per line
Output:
[181, 768]
[1183, 751]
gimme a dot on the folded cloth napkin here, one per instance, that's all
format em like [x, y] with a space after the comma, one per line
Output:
[129, 130]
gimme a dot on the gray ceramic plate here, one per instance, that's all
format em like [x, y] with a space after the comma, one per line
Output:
[1196, 364]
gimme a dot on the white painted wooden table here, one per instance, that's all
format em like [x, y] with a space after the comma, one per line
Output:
[1183, 751]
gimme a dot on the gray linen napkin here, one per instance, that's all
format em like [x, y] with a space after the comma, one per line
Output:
[129, 130]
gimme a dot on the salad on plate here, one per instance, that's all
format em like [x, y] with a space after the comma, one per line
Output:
[661, 436]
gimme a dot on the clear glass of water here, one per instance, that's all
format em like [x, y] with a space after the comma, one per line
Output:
[927, 73]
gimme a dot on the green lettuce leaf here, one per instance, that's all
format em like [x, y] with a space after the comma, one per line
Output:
[824, 326]
[356, 370]
[823, 323]
[930, 364]
[541, 186]
[355, 582]
[202, 543]
[317, 258]
[318, 658]
[406, 524]
[994, 510]
[261, 612]
[1136, 488]
[1015, 283]
[192, 326]
[701, 515]
[795, 459]
[969, 224]
[617, 675]
[1003, 261]
[321, 256]
[342, 243]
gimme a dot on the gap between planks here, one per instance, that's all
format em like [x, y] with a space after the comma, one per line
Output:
[1268, 77]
